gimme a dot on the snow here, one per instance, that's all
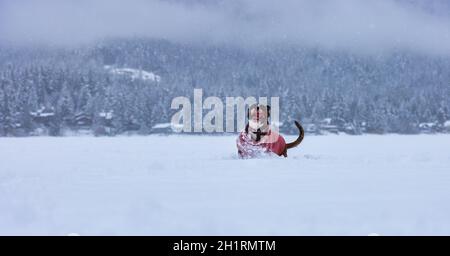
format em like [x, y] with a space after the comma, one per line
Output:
[427, 125]
[447, 124]
[195, 185]
[326, 121]
[43, 112]
[162, 125]
[106, 115]
[134, 73]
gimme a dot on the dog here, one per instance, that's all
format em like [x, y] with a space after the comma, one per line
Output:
[257, 139]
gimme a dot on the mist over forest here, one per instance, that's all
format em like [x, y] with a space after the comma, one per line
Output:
[113, 67]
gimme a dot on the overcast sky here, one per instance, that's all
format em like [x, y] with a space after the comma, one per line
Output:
[359, 25]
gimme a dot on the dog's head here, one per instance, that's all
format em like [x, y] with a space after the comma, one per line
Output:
[258, 121]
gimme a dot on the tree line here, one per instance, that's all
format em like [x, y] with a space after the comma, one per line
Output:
[52, 91]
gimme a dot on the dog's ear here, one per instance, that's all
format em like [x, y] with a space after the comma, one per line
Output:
[249, 109]
[268, 114]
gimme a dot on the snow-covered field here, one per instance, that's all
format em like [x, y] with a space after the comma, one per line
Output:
[195, 185]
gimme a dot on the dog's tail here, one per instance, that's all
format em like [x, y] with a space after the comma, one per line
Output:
[297, 141]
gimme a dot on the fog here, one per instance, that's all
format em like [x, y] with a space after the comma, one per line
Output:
[356, 25]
